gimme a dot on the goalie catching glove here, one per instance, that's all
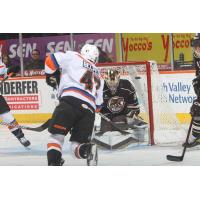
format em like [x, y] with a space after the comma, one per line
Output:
[53, 80]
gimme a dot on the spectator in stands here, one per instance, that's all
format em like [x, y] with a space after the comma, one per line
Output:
[6, 60]
[35, 62]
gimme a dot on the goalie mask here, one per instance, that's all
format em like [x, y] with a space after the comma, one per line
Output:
[195, 44]
[90, 52]
[112, 78]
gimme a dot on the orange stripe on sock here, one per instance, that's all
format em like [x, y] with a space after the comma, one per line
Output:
[49, 145]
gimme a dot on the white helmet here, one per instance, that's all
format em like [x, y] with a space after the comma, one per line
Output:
[90, 52]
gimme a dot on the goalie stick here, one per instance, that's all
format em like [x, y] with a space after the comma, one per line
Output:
[180, 158]
[115, 126]
[36, 129]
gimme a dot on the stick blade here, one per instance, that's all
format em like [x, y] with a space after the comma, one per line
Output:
[40, 128]
[175, 158]
[46, 124]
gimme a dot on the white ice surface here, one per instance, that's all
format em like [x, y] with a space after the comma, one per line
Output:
[12, 153]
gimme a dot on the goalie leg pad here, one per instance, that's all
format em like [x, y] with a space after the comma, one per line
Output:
[105, 126]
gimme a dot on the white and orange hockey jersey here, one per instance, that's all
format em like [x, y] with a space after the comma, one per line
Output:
[80, 78]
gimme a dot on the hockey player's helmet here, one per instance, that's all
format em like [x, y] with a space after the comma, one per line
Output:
[195, 44]
[112, 78]
[90, 52]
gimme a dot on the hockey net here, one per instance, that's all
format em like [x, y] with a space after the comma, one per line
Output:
[163, 124]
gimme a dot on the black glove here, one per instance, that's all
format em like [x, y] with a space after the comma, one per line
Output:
[195, 109]
[53, 80]
[12, 71]
[196, 85]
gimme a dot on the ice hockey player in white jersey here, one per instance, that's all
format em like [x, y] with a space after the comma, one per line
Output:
[80, 95]
[5, 113]
[120, 103]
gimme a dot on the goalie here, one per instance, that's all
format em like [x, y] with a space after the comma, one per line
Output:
[120, 103]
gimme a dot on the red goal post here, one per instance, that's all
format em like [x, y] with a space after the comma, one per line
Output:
[152, 98]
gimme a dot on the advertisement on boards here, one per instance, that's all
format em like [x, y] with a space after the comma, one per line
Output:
[156, 46]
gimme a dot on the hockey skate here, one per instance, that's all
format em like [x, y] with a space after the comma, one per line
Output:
[24, 141]
[92, 158]
[193, 143]
[20, 136]
[62, 162]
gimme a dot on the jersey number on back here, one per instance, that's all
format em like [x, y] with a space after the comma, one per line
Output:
[87, 79]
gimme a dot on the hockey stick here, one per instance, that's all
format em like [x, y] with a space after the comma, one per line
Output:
[36, 129]
[115, 126]
[92, 159]
[6, 77]
[180, 158]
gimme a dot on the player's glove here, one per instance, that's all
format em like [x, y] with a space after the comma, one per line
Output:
[130, 113]
[196, 85]
[53, 80]
[195, 109]
[12, 71]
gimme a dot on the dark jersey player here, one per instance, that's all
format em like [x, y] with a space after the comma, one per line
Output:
[194, 139]
[5, 113]
[120, 103]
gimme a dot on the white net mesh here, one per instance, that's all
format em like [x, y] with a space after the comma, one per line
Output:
[167, 128]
